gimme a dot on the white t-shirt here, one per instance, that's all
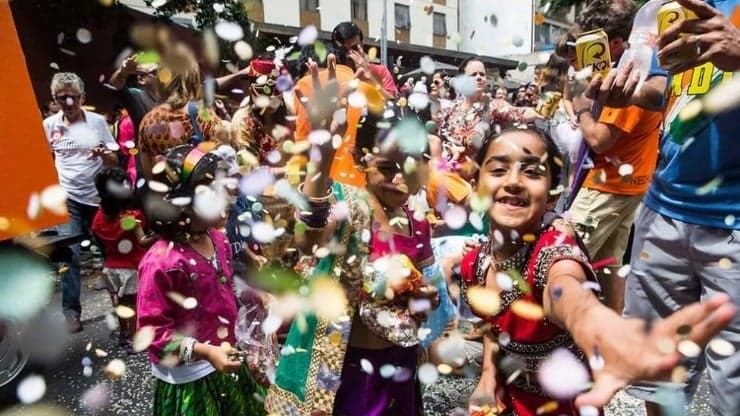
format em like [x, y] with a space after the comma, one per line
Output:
[71, 146]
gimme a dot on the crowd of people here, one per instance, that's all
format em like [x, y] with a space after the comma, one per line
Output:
[340, 244]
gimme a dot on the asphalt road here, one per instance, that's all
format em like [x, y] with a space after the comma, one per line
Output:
[68, 388]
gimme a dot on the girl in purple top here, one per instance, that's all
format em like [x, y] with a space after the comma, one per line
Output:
[186, 298]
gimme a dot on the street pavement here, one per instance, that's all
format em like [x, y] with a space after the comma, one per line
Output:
[131, 395]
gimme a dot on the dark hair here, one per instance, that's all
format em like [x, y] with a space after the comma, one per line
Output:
[556, 73]
[114, 190]
[553, 161]
[614, 16]
[344, 32]
[375, 128]
[171, 221]
[464, 64]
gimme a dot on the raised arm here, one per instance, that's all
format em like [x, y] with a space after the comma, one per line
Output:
[631, 348]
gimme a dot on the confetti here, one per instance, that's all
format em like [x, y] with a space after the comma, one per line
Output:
[418, 101]
[689, 348]
[504, 282]
[115, 369]
[725, 263]
[596, 361]
[54, 199]
[271, 324]
[539, 18]
[189, 303]
[284, 83]
[464, 84]
[243, 50]
[357, 99]
[100, 353]
[588, 411]
[427, 65]
[308, 35]
[548, 407]
[366, 365]
[730, 220]
[83, 35]
[455, 217]
[143, 338]
[721, 347]
[218, 7]
[428, 373]
[27, 275]
[210, 48]
[159, 3]
[517, 41]
[562, 375]
[124, 312]
[626, 170]
[624, 271]
[222, 332]
[387, 370]
[678, 374]
[710, 186]
[87, 371]
[327, 299]
[125, 246]
[229, 31]
[484, 300]
[31, 389]
[723, 98]
[95, 399]
[528, 310]
[451, 350]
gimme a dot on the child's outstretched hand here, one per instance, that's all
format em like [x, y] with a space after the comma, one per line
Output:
[221, 360]
[632, 351]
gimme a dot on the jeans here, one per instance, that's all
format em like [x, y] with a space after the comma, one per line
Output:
[80, 221]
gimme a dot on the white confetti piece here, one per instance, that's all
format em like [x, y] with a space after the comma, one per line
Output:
[455, 217]
[730, 220]
[271, 324]
[689, 348]
[721, 347]
[626, 170]
[387, 370]
[588, 411]
[428, 373]
[624, 271]
[229, 31]
[124, 312]
[243, 50]
[427, 65]
[31, 389]
[189, 303]
[504, 282]
[517, 40]
[34, 206]
[84, 35]
[115, 369]
[125, 246]
[143, 338]
[367, 366]
[562, 375]
[308, 35]
[357, 99]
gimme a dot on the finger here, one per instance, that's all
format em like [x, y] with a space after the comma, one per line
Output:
[631, 85]
[685, 44]
[679, 66]
[604, 388]
[705, 330]
[697, 316]
[331, 63]
[701, 8]
[592, 90]
[313, 68]
[622, 75]
[606, 87]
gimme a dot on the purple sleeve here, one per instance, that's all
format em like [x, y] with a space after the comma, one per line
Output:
[153, 307]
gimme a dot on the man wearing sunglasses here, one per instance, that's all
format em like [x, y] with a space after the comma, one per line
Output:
[81, 144]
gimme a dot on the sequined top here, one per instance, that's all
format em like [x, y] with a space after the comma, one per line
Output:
[168, 272]
[529, 341]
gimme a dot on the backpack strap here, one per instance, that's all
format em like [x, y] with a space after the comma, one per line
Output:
[193, 114]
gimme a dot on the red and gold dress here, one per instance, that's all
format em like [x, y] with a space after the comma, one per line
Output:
[531, 341]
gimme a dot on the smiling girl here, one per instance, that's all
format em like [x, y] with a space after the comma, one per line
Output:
[553, 307]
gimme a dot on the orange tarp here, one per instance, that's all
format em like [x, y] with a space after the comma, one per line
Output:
[26, 165]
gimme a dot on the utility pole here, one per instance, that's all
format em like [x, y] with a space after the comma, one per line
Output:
[384, 35]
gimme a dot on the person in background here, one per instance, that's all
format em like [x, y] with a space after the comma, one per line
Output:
[50, 108]
[686, 236]
[81, 144]
[521, 97]
[625, 141]
[120, 230]
[500, 93]
[182, 114]
[347, 38]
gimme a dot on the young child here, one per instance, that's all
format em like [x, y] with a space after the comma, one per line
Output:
[332, 377]
[186, 296]
[554, 307]
[120, 230]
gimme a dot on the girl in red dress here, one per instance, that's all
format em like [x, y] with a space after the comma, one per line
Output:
[552, 307]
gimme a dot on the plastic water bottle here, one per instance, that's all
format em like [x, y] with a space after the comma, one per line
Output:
[642, 40]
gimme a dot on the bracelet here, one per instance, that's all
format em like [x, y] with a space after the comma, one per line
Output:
[318, 200]
[187, 345]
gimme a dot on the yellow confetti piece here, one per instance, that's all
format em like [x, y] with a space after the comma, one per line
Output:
[548, 407]
[124, 312]
[115, 369]
[372, 53]
[528, 310]
[4, 224]
[335, 338]
[484, 301]
[725, 263]
[529, 238]
[539, 19]
[164, 75]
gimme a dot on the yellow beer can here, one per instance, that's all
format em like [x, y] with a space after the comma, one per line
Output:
[592, 49]
[549, 104]
[672, 13]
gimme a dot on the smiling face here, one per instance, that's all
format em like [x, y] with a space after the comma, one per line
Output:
[389, 182]
[477, 71]
[514, 174]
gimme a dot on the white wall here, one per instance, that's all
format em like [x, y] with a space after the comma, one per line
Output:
[287, 12]
[515, 19]
[282, 12]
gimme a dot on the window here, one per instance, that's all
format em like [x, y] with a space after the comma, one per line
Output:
[402, 16]
[309, 5]
[546, 35]
[440, 24]
[359, 9]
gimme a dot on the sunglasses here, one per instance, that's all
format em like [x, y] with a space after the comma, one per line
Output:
[66, 97]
